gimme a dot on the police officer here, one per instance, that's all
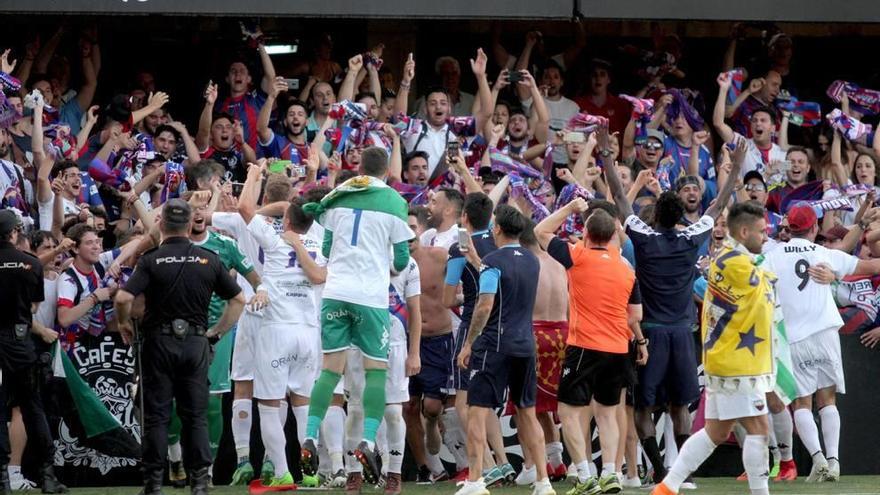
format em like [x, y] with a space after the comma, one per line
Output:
[21, 291]
[177, 280]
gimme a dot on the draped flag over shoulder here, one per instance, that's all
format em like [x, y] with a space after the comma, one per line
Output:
[785, 387]
[362, 192]
[103, 432]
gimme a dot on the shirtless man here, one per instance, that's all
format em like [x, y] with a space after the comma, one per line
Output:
[427, 388]
[550, 321]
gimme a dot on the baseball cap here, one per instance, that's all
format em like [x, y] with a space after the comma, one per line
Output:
[659, 136]
[754, 174]
[801, 218]
[177, 212]
[8, 222]
[686, 180]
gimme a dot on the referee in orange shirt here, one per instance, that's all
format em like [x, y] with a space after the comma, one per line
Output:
[602, 294]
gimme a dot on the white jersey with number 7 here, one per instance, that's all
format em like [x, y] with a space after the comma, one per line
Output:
[807, 306]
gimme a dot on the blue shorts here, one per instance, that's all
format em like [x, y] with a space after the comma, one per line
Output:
[459, 378]
[670, 376]
[493, 374]
[431, 380]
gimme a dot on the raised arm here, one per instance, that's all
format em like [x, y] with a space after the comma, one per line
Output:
[539, 107]
[697, 141]
[395, 163]
[484, 93]
[203, 136]
[409, 72]
[43, 162]
[268, 68]
[724, 194]
[250, 191]
[718, 115]
[90, 77]
[755, 85]
[730, 54]
[545, 231]
[154, 102]
[263, 130]
[460, 166]
[522, 63]
[192, 152]
[347, 89]
[615, 188]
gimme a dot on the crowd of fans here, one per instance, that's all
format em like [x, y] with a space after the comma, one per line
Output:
[89, 178]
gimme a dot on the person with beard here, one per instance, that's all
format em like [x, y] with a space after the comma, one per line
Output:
[762, 151]
[415, 168]
[221, 138]
[795, 176]
[444, 210]
[322, 99]
[560, 108]
[295, 140]
[649, 156]
[600, 101]
[689, 191]
[436, 133]
[244, 103]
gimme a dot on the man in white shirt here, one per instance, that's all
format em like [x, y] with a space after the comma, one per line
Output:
[444, 209]
[811, 324]
[761, 151]
[286, 347]
[561, 108]
[364, 220]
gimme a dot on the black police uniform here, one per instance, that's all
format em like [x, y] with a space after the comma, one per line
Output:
[177, 280]
[21, 285]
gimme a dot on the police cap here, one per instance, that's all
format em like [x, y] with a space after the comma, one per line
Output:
[176, 212]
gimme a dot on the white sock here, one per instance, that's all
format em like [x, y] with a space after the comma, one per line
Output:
[382, 444]
[694, 452]
[333, 432]
[671, 450]
[241, 427]
[282, 413]
[583, 469]
[830, 417]
[175, 454]
[396, 435]
[739, 433]
[807, 430]
[453, 437]
[554, 453]
[771, 441]
[273, 437]
[434, 463]
[324, 465]
[13, 470]
[757, 464]
[784, 431]
[354, 431]
[301, 415]
[608, 468]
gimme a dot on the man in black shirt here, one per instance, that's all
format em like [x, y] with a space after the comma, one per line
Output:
[177, 280]
[21, 292]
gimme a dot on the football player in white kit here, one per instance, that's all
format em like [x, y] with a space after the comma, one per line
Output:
[286, 347]
[403, 362]
[277, 189]
[812, 322]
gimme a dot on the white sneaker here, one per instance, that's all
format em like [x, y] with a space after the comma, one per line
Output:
[833, 471]
[472, 488]
[527, 476]
[18, 482]
[633, 482]
[819, 470]
[572, 472]
[543, 487]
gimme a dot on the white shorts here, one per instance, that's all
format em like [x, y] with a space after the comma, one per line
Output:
[817, 363]
[396, 383]
[288, 360]
[725, 406]
[243, 348]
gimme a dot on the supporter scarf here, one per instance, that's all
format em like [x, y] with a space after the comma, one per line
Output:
[586, 123]
[811, 191]
[370, 58]
[738, 323]
[507, 165]
[8, 114]
[855, 189]
[548, 159]
[642, 110]
[851, 128]
[866, 101]
[681, 106]
[9, 83]
[361, 193]
[519, 189]
[462, 126]
[407, 126]
[823, 205]
[414, 194]
[61, 141]
[174, 177]
[859, 293]
[348, 111]
[114, 178]
[803, 113]
[737, 78]
[573, 224]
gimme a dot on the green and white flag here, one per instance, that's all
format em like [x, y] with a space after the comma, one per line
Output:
[786, 388]
[361, 192]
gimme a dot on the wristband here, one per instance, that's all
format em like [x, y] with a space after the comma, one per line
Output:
[642, 342]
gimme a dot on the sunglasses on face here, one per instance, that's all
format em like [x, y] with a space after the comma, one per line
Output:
[755, 187]
[652, 145]
[784, 228]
